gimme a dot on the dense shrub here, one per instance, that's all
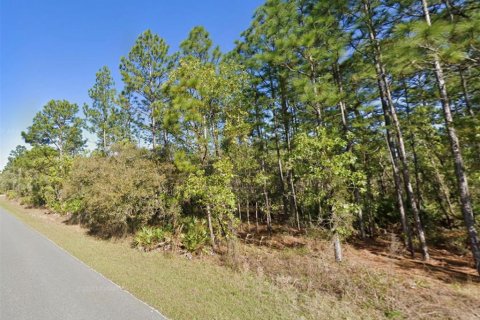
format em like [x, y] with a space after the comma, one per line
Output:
[149, 238]
[119, 193]
[35, 176]
[194, 234]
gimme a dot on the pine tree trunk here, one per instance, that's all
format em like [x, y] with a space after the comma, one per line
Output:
[337, 247]
[465, 199]
[389, 110]
[239, 210]
[154, 133]
[407, 236]
[370, 199]
[277, 143]
[294, 199]
[313, 81]
[256, 216]
[390, 143]
[405, 170]
[267, 203]
[285, 113]
[248, 214]
[267, 209]
[341, 103]
[417, 174]
[443, 194]
[414, 150]
[282, 181]
[360, 213]
[468, 104]
[210, 227]
[104, 140]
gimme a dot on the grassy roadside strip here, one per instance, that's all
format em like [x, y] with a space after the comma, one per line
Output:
[179, 288]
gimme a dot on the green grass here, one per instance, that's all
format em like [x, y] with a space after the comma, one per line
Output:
[177, 287]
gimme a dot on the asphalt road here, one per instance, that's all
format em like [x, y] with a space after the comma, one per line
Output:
[40, 281]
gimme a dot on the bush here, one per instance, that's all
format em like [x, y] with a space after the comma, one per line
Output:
[35, 176]
[150, 238]
[120, 193]
[195, 234]
[11, 194]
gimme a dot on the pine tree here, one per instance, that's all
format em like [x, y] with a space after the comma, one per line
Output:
[103, 116]
[144, 73]
[57, 125]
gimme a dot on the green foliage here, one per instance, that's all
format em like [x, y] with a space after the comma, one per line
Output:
[328, 179]
[144, 72]
[150, 238]
[207, 106]
[58, 126]
[194, 234]
[104, 117]
[119, 193]
[35, 175]
[289, 123]
[213, 192]
[199, 45]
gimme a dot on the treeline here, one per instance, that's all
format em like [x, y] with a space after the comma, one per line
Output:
[350, 116]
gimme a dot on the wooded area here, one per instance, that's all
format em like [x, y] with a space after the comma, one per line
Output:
[351, 117]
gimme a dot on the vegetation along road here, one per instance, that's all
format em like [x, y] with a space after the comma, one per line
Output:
[307, 159]
[39, 280]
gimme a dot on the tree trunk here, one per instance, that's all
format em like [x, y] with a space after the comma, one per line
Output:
[337, 247]
[443, 196]
[294, 199]
[280, 170]
[256, 216]
[406, 172]
[104, 139]
[267, 210]
[407, 236]
[313, 81]
[210, 227]
[239, 210]
[468, 104]
[389, 110]
[443, 191]
[390, 143]
[248, 214]
[465, 199]
[154, 133]
[285, 113]
[360, 213]
[414, 151]
[341, 103]
[267, 203]
[370, 199]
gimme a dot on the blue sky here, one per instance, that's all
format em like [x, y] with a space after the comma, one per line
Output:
[51, 49]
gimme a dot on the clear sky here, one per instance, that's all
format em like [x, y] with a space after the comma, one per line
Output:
[51, 49]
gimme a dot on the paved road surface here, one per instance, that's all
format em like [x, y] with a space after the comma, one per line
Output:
[40, 281]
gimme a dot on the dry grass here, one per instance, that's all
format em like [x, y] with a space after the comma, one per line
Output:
[375, 276]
